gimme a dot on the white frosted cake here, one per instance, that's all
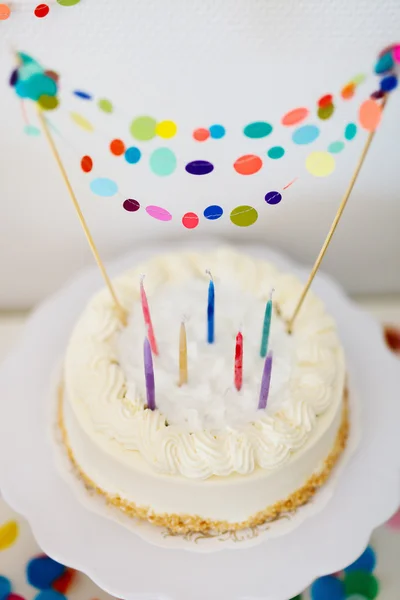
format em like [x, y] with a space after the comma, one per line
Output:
[206, 458]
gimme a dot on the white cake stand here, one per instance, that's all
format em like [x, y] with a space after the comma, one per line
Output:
[119, 561]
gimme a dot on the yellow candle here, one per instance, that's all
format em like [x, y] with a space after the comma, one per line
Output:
[183, 369]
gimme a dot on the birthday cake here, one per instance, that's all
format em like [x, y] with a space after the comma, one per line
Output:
[202, 413]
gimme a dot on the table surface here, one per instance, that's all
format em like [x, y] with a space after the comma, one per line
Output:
[13, 560]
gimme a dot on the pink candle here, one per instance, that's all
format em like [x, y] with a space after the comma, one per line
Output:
[239, 362]
[147, 318]
[265, 382]
[149, 375]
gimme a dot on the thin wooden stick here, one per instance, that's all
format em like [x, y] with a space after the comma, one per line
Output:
[119, 309]
[183, 366]
[334, 224]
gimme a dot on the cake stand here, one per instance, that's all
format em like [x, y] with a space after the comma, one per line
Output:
[121, 562]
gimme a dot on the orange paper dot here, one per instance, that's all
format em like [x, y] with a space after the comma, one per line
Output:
[370, 115]
[201, 134]
[4, 12]
[42, 10]
[348, 91]
[117, 147]
[325, 100]
[86, 164]
[248, 164]
[295, 116]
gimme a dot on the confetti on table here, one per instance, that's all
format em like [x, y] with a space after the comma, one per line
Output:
[83, 95]
[5, 587]
[8, 534]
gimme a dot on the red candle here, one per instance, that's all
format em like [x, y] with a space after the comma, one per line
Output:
[147, 319]
[239, 362]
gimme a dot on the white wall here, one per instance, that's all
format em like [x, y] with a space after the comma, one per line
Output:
[199, 62]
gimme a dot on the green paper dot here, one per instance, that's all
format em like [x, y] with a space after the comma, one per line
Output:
[259, 129]
[162, 162]
[105, 105]
[143, 128]
[276, 152]
[335, 147]
[68, 2]
[244, 216]
[325, 112]
[362, 583]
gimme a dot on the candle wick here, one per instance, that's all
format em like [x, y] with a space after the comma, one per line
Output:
[271, 292]
[142, 278]
[210, 275]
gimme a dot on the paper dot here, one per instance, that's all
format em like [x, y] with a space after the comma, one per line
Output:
[350, 131]
[117, 147]
[14, 75]
[213, 212]
[190, 220]
[31, 130]
[201, 134]
[385, 63]
[394, 522]
[48, 102]
[363, 583]
[42, 10]
[320, 164]
[132, 155]
[102, 186]
[35, 86]
[143, 128]
[86, 164]
[83, 95]
[162, 162]
[41, 571]
[327, 588]
[359, 78]
[389, 83]
[377, 95]
[396, 53]
[392, 339]
[244, 216]
[5, 587]
[348, 91]
[276, 152]
[68, 2]
[325, 112]
[50, 595]
[248, 164]
[258, 129]
[166, 129]
[199, 167]
[325, 100]
[81, 121]
[53, 75]
[273, 198]
[4, 12]
[131, 205]
[64, 583]
[105, 105]
[370, 115]
[8, 534]
[366, 562]
[217, 132]
[305, 134]
[336, 147]
[297, 115]
[158, 213]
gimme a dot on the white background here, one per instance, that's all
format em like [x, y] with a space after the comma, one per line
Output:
[198, 63]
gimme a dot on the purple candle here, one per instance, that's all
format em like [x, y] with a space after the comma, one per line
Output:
[149, 375]
[265, 382]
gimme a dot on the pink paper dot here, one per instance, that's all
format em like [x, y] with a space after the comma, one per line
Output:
[158, 213]
[396, 54]
[394, 522]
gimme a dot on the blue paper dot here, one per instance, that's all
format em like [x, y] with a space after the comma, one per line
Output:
[273, 197]
[388, 83]
[42, 571]
[50, 595]
[102, 186]
[327, 588]
[213, 212]
[5, 587]
[82, 95]
[132, 155]
[217, 132]
[199, 167]
[350, 131]
[366, 562]
[305, 134]
[385, 63]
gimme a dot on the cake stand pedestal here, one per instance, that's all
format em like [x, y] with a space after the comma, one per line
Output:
[366, 494]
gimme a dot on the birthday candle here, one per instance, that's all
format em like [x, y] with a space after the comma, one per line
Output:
[210, 311]
[265, 382]
[183, 368]
[239, 362]
[149, 375]
[147, 318]
[266, 327]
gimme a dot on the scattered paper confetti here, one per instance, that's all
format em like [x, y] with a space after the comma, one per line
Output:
[244, 216]
[248, 164]
[392, 337]
[348, 91]
[325, 112]
[31, 130]
[8, 534]
[199, 167]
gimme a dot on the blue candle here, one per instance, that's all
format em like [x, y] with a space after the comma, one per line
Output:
[211, 311]
[265, 382]
[149, 375]
[266, 327]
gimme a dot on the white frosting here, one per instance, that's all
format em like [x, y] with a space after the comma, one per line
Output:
[212, 429]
